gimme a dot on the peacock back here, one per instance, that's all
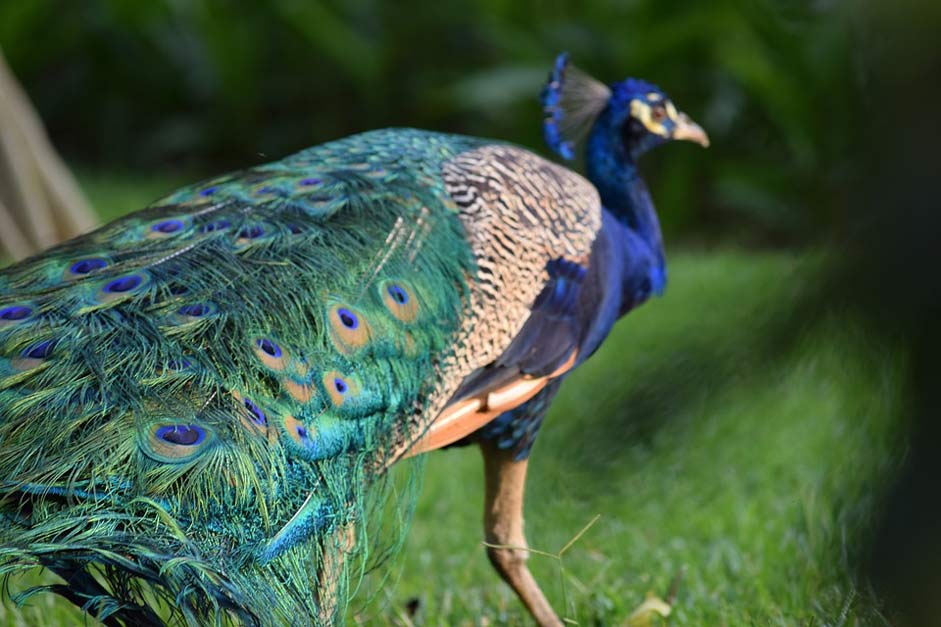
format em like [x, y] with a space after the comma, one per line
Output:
[198, 402]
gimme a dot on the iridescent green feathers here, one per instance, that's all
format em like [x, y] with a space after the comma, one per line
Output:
[203, 398]
[190, 392]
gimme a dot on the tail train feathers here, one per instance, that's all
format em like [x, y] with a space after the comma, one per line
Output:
[199, 401]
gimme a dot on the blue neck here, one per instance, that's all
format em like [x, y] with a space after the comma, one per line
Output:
[612, 169]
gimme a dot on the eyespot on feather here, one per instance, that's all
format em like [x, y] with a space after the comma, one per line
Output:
[400, 300]
[253, 231]
[253, 417]
[252, 234]
[348, 328]
[330, 437]
[167, 227]
[340, 387]
[122, 284]
[120, 288]
[16, 314]
[301, 434]
[215, 226]
[34, 355]
[83, 267]
[175, 442]
[194, 312]
[266, 190]
[39, 350]
[257, 416]
[271, 354]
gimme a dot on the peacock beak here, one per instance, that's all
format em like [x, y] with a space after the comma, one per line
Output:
[687, 129]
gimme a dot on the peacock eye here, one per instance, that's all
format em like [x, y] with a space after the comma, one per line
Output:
[658, 113]
[347, 318]
[269, 347]
[181, 435]
[258, 416]
[123, 284]
[398, 294]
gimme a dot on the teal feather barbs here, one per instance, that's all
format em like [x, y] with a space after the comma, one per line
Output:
[229, 370]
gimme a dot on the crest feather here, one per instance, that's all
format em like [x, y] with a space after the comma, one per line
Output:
[571, 101]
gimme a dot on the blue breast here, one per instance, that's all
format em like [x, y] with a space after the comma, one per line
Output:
[626, 271]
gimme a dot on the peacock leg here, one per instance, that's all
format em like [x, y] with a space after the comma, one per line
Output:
[331, 575]
[503, 526]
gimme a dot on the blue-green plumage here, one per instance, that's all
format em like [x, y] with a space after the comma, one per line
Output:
[199, 362]
[202, 398]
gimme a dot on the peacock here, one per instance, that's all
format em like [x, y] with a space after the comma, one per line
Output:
[201, 402]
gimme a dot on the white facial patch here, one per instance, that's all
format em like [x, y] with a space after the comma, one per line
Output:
[640, 110]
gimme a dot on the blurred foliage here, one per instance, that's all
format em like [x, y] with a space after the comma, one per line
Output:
[205, 85]
[886, 273]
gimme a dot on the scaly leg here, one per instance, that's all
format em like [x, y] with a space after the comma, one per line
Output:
[503, 525]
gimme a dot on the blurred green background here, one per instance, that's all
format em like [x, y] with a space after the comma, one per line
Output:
[202, 87]
[768, 429]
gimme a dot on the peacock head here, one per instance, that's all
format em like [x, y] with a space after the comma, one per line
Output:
[623, 120]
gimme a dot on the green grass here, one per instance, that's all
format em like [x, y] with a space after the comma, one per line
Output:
[715, 436]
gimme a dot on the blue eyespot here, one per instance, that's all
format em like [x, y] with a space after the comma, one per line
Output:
[123, 284]
[179, 364]
[167, 226]
[209, 191]
[40, 350]
[347, 318]
[398, 294]
[307, 182]
[252, 232]
[258, 416]
[267, 189]
[183, 435]
[295, 229]
[302, 432]
[85, 266]
[196, 310]
[340, 385]
[218, 225]
[16, 312]
[269, 347]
